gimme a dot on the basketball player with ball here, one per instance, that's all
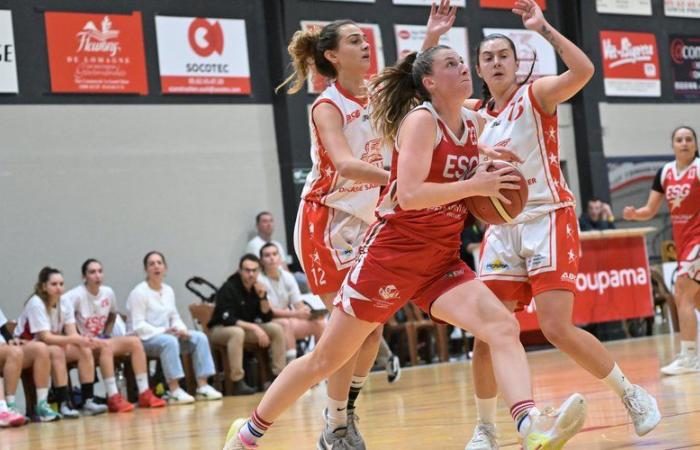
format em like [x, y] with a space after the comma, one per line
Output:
[535, 254]
[411, 253]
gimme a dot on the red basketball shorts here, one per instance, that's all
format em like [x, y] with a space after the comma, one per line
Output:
[393, 269]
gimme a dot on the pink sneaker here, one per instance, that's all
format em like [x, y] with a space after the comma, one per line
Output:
[11, 419]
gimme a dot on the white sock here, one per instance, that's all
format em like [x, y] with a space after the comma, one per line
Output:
[688, 348]
[111, 384]
[42, 394]
[337, 416]
[291, 355]
[3, 406]
[526, 422]
[617, 381]
[142, 382]
[486, 409]
[10, 399]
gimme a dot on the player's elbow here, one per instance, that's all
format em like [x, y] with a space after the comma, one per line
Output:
[407, 200]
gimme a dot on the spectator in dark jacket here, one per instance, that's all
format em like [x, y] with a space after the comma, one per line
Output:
[243, 315]
[598, 216]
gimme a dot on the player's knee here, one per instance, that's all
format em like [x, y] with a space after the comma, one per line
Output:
[504, 331]
[324, 363]
[554, 329]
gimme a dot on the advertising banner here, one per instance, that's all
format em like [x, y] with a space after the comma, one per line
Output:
[631, 7]
[427, 2]
[612, 284]
[630, 64]
[8, 59]
[96, 53]
[685, 63]
[682, 8]
[506, 4]
[202, 56]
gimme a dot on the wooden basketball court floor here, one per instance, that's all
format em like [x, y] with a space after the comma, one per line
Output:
[431, 407]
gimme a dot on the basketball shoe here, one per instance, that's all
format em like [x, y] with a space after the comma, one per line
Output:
[683, 363]
[484, 437]
[550, 430]
[642, 409]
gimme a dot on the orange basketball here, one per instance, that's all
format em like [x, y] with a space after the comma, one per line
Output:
[491, 210]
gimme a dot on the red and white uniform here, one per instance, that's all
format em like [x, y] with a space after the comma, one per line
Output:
[539, 250]
[682, 191]
[414, 255]
[91, 311]
[335, 212]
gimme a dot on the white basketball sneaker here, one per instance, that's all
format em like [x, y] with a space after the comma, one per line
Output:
[484, 437]
[682, 364]
[642, 409]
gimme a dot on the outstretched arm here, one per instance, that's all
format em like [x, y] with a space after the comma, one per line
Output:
[550, 91]
[441, 19]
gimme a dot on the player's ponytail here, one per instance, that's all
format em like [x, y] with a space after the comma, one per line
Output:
[307, 52]
[399, 88]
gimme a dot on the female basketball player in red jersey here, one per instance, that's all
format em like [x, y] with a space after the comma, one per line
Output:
[412, 251]
[342, 188]
[679, 182]
[537, 255]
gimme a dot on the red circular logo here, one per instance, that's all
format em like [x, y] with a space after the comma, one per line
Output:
[404, 34]
[677, 46]
[213, 37]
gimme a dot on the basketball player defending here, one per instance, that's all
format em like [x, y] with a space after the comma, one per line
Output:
[412, 252]
[679, 182]
[537, 255]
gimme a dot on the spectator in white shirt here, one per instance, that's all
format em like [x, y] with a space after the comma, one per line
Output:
[44, 318]
[94, 309]
[154, 318]
[288, 309]
[265, 224]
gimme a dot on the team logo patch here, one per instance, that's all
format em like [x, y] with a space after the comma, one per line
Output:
[497, 265]
[389, 292]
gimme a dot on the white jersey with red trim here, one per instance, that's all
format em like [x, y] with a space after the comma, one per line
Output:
[324, 184]
[524, 128]
[682, 191]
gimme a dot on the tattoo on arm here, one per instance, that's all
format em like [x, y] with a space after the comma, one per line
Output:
[547, 34]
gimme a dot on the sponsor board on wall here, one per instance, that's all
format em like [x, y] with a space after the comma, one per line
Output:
[631, 7]
[355, 1]
[96, 53]
[682, 8]
[630, 64]
[427, 2]
[409, 38]
[202, 55]
[317, 83]
[506, 4]
[612, 283]
[685, 62]
[531, 46]
[8, 60]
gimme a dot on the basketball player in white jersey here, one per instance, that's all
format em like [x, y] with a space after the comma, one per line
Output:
[536, 255]
[342, 189]
[679, 182]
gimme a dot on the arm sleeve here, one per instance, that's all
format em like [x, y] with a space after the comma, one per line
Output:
[225, 302]
[112, 302]
[136, 305]
[37, 317]
[656, 184]
[67, 311]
